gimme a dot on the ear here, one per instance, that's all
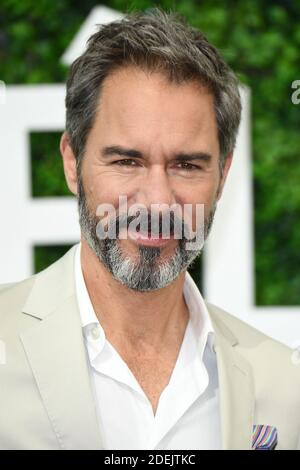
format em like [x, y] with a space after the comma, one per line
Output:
[69, 162]
[227, 165]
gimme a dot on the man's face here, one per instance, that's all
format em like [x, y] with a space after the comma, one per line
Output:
[155, 143]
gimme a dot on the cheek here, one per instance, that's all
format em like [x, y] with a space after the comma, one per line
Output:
[199, 201]
[203, 192]
[99, 190]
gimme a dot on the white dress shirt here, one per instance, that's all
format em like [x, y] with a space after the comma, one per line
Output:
[187, 416]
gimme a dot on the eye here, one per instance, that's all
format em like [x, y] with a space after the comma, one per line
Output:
[188, 166]
[125, 162]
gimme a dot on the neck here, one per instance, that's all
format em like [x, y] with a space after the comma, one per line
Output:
[130, 317]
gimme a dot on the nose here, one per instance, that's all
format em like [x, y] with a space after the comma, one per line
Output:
[156, 188]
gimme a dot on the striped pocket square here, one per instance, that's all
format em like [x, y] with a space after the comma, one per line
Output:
[264, 437]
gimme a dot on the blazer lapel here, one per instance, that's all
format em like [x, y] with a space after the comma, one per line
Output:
[56, 353]
[236, 389]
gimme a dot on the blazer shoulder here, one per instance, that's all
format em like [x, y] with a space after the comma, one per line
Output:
[46, 286]
[246, 334]
[13, 296]
[267, 356]
[4, 287]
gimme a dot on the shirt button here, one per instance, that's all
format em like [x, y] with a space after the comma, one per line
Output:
[95, 332]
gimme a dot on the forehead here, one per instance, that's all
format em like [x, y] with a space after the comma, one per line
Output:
[144, 106]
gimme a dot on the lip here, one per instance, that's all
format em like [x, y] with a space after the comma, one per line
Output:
[145, 239]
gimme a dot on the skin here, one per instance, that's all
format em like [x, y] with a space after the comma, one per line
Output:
[143, 111]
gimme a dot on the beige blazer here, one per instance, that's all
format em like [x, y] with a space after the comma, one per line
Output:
[46, 400]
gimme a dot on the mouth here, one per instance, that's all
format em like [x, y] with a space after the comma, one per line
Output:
[149, 239]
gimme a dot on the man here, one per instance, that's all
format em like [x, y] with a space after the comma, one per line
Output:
[113, 346]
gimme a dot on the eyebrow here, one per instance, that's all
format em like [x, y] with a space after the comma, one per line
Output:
[179, 157]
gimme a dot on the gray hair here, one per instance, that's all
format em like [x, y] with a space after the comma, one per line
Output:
[153, 41]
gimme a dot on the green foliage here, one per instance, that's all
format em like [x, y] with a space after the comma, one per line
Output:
[47, 177]
[46, 255]
[260, 39]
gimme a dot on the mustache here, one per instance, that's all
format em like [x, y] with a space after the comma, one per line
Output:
[158, 225]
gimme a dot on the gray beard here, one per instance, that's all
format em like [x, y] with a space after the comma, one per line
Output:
[147, 272]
